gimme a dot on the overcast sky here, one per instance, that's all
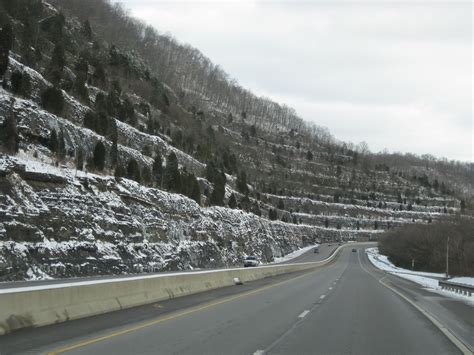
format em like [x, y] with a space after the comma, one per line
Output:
[397, 75]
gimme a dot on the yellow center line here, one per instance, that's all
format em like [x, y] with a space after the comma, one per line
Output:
[171, 317]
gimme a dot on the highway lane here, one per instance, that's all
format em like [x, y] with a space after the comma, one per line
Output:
[341, 308]
[325, 251]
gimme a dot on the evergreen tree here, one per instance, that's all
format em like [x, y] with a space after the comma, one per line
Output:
[56, 66]
[87, 30]
[99, 76]
[281, 204]
[52, 100]
[114, 152]
[9, 135]
[171, 175]
[157, 170]
[61, 146]
[336, 197]
[119, 170]
[53, 141]
[232, 201]
[273, 214]
[211, 171]
[21, 83]
[217, 195]
[80, 159]
[133, 170]
[256, 209]
[463, 205]
[195, 190]
[90, 120]
[242, 183]
[146, 175]
[6, 44]
[99, 156]
[326, 222]
[309, 155]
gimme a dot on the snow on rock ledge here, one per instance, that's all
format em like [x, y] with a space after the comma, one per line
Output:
[54, 223]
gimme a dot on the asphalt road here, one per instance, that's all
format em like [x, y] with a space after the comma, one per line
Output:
[325, 251]
[342, 308]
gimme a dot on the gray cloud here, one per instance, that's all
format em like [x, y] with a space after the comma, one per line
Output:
[396, 75]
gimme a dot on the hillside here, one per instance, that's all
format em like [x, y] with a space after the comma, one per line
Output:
[125, 151]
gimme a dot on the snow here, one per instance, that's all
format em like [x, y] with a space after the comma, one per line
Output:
[294, 254]
[428, 280]
[382, 262]
[463, 280]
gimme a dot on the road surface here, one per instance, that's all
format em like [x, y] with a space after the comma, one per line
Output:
[342, 308]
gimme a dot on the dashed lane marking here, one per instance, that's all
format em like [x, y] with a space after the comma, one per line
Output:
[303, 314]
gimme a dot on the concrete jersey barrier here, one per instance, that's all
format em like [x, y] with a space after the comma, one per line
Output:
[42, 305]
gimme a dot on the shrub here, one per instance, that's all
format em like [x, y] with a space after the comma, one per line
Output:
[99, 156]
[21, 83]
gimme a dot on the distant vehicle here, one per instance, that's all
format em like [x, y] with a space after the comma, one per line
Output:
[250, 261]
[316, 250]
[354, 250]
[329, 245]
[339, 243]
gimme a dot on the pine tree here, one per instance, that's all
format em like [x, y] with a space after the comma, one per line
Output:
[309, 155]
[133, 170]
[57, 63]
[241, 183]
[61, 146]
[195, 190]
[281, 204]
[232, 201]
[119, 171]
[52, 100]
[6, 44]
[217, 196]
[99, 156]
[256, 209]
[87, 30]
[9, 135]
[171, 175]
[114, 152]
[326, 222]
[146, 175]
[21, 83]
[157, 170]
[53, 141]
[80, 159]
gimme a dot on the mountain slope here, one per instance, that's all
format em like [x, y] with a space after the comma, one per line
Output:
[92, 100]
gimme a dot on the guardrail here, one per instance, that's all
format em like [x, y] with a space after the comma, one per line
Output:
[456, 287]
[36, 306]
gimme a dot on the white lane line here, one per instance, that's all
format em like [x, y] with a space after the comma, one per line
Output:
[302, 315]
[259, 352]
[322, 296]
[451, 336]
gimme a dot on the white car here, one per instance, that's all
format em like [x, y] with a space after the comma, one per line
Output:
[250, 261]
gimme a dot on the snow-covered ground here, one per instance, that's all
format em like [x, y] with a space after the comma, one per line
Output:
[428, 280]
[295, 254]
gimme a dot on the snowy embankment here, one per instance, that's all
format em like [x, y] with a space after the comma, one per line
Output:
[429, 280]
[294, 254]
